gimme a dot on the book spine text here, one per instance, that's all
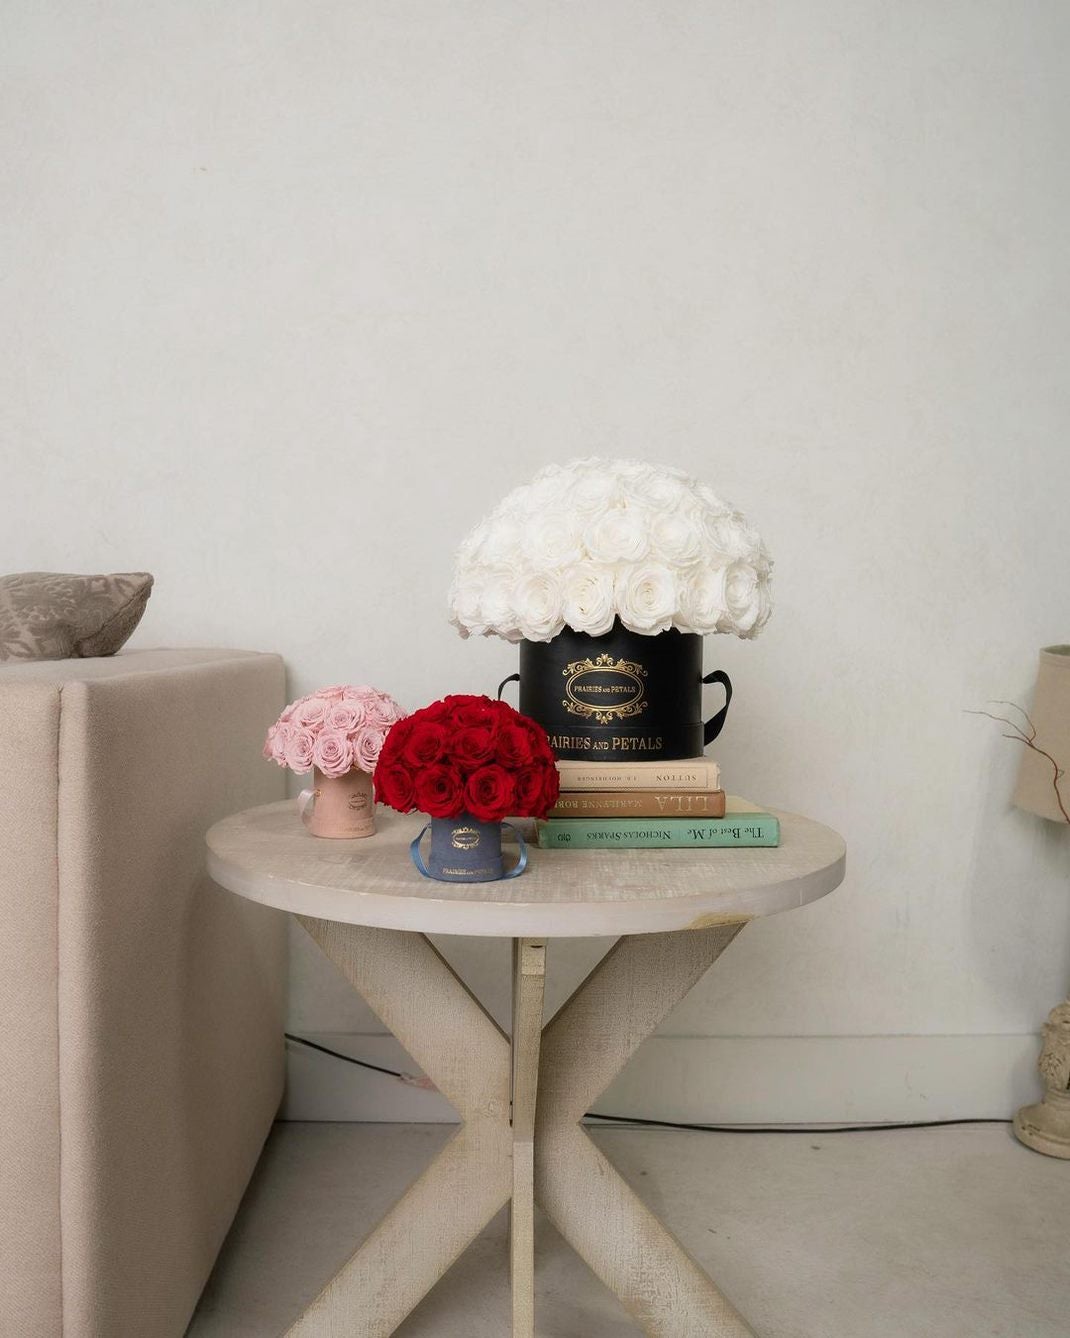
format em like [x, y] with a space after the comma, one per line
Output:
[639, 804]
[750, 829]
[670, 776]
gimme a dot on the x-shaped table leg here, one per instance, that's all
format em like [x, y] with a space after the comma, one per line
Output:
[446, 1030]
[584, 1047]
[541, 1153]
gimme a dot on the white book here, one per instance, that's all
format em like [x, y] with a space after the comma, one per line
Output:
[689, 773]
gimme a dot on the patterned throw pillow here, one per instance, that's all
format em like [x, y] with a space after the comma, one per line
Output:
[46, 615]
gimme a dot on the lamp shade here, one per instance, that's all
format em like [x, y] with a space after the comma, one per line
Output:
[1051, 717]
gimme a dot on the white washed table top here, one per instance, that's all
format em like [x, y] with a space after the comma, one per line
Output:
[267, 855]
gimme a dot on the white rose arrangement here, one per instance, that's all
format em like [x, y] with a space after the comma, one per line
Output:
[594, 540]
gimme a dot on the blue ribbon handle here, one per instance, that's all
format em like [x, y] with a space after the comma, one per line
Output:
[414, 851]
[418, 859]
[522, 863]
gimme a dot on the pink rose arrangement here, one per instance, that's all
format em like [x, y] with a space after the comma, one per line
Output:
[334, 730]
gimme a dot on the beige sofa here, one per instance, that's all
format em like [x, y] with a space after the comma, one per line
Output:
[141, 1045]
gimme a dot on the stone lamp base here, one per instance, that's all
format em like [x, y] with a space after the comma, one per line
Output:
[1045, 1127]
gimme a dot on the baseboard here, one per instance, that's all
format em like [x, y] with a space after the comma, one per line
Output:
[718, 1080]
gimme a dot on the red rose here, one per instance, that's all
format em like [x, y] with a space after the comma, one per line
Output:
[515, 745]
[394, 785]
[425, 744]
[473, 711]
[529, 790]
[537, 788]
[436, 711]
[440, 790]
[472, 747]
[400, 733]
[540, 740]
[490, 793]
[551, 788]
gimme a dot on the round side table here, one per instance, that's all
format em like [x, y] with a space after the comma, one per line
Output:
[521, 1098]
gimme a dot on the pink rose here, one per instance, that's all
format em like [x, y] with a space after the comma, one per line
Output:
[332, 694]
[312, 712]
[280, 738]
[367, 746]
[379, 711]
[346, 715]
[299, 749]
[333, 753]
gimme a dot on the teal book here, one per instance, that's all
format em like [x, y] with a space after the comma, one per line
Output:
[736, 829]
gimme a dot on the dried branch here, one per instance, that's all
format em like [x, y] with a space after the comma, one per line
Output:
[1028, 737]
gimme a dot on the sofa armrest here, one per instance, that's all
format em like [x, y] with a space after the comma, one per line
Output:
[169, 993]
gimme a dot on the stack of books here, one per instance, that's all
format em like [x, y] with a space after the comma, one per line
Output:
[624, 805]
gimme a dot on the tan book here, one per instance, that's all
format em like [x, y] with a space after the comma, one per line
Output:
[631, 833]
[692, 773]
[639, 804]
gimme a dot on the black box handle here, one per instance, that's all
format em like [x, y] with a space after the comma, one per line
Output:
[715, 724]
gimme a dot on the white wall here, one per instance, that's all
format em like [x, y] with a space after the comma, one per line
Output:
[294, 292]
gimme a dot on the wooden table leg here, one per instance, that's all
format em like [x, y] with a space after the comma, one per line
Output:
[446, 1030]
[529, 975]
[540, 1152]
[587, 1043]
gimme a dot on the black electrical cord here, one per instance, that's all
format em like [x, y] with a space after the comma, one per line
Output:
[785, 1128]
[336, 1054]
[642, 1123]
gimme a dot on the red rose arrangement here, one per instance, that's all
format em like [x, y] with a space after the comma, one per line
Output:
[468, 755]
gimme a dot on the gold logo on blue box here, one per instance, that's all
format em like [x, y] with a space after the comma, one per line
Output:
[464, 838]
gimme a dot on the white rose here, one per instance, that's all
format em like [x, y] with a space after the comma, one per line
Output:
[765, 607]
[702, 601]
[620, 535]
[466, 612]
[537, 600]
[589, 604]
[709, 500]
[646, 597]
[550, 542]
[729, 534]
[652, 487]
[471, 544]
[585, 522]
[547, 491]
[741, 595]
[676, 537]
[499, 543]
[592, 491]
[498, 610]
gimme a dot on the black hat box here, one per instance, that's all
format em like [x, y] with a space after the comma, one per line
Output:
[619, 697]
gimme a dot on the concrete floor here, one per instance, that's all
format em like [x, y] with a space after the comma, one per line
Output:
[955, 1232]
